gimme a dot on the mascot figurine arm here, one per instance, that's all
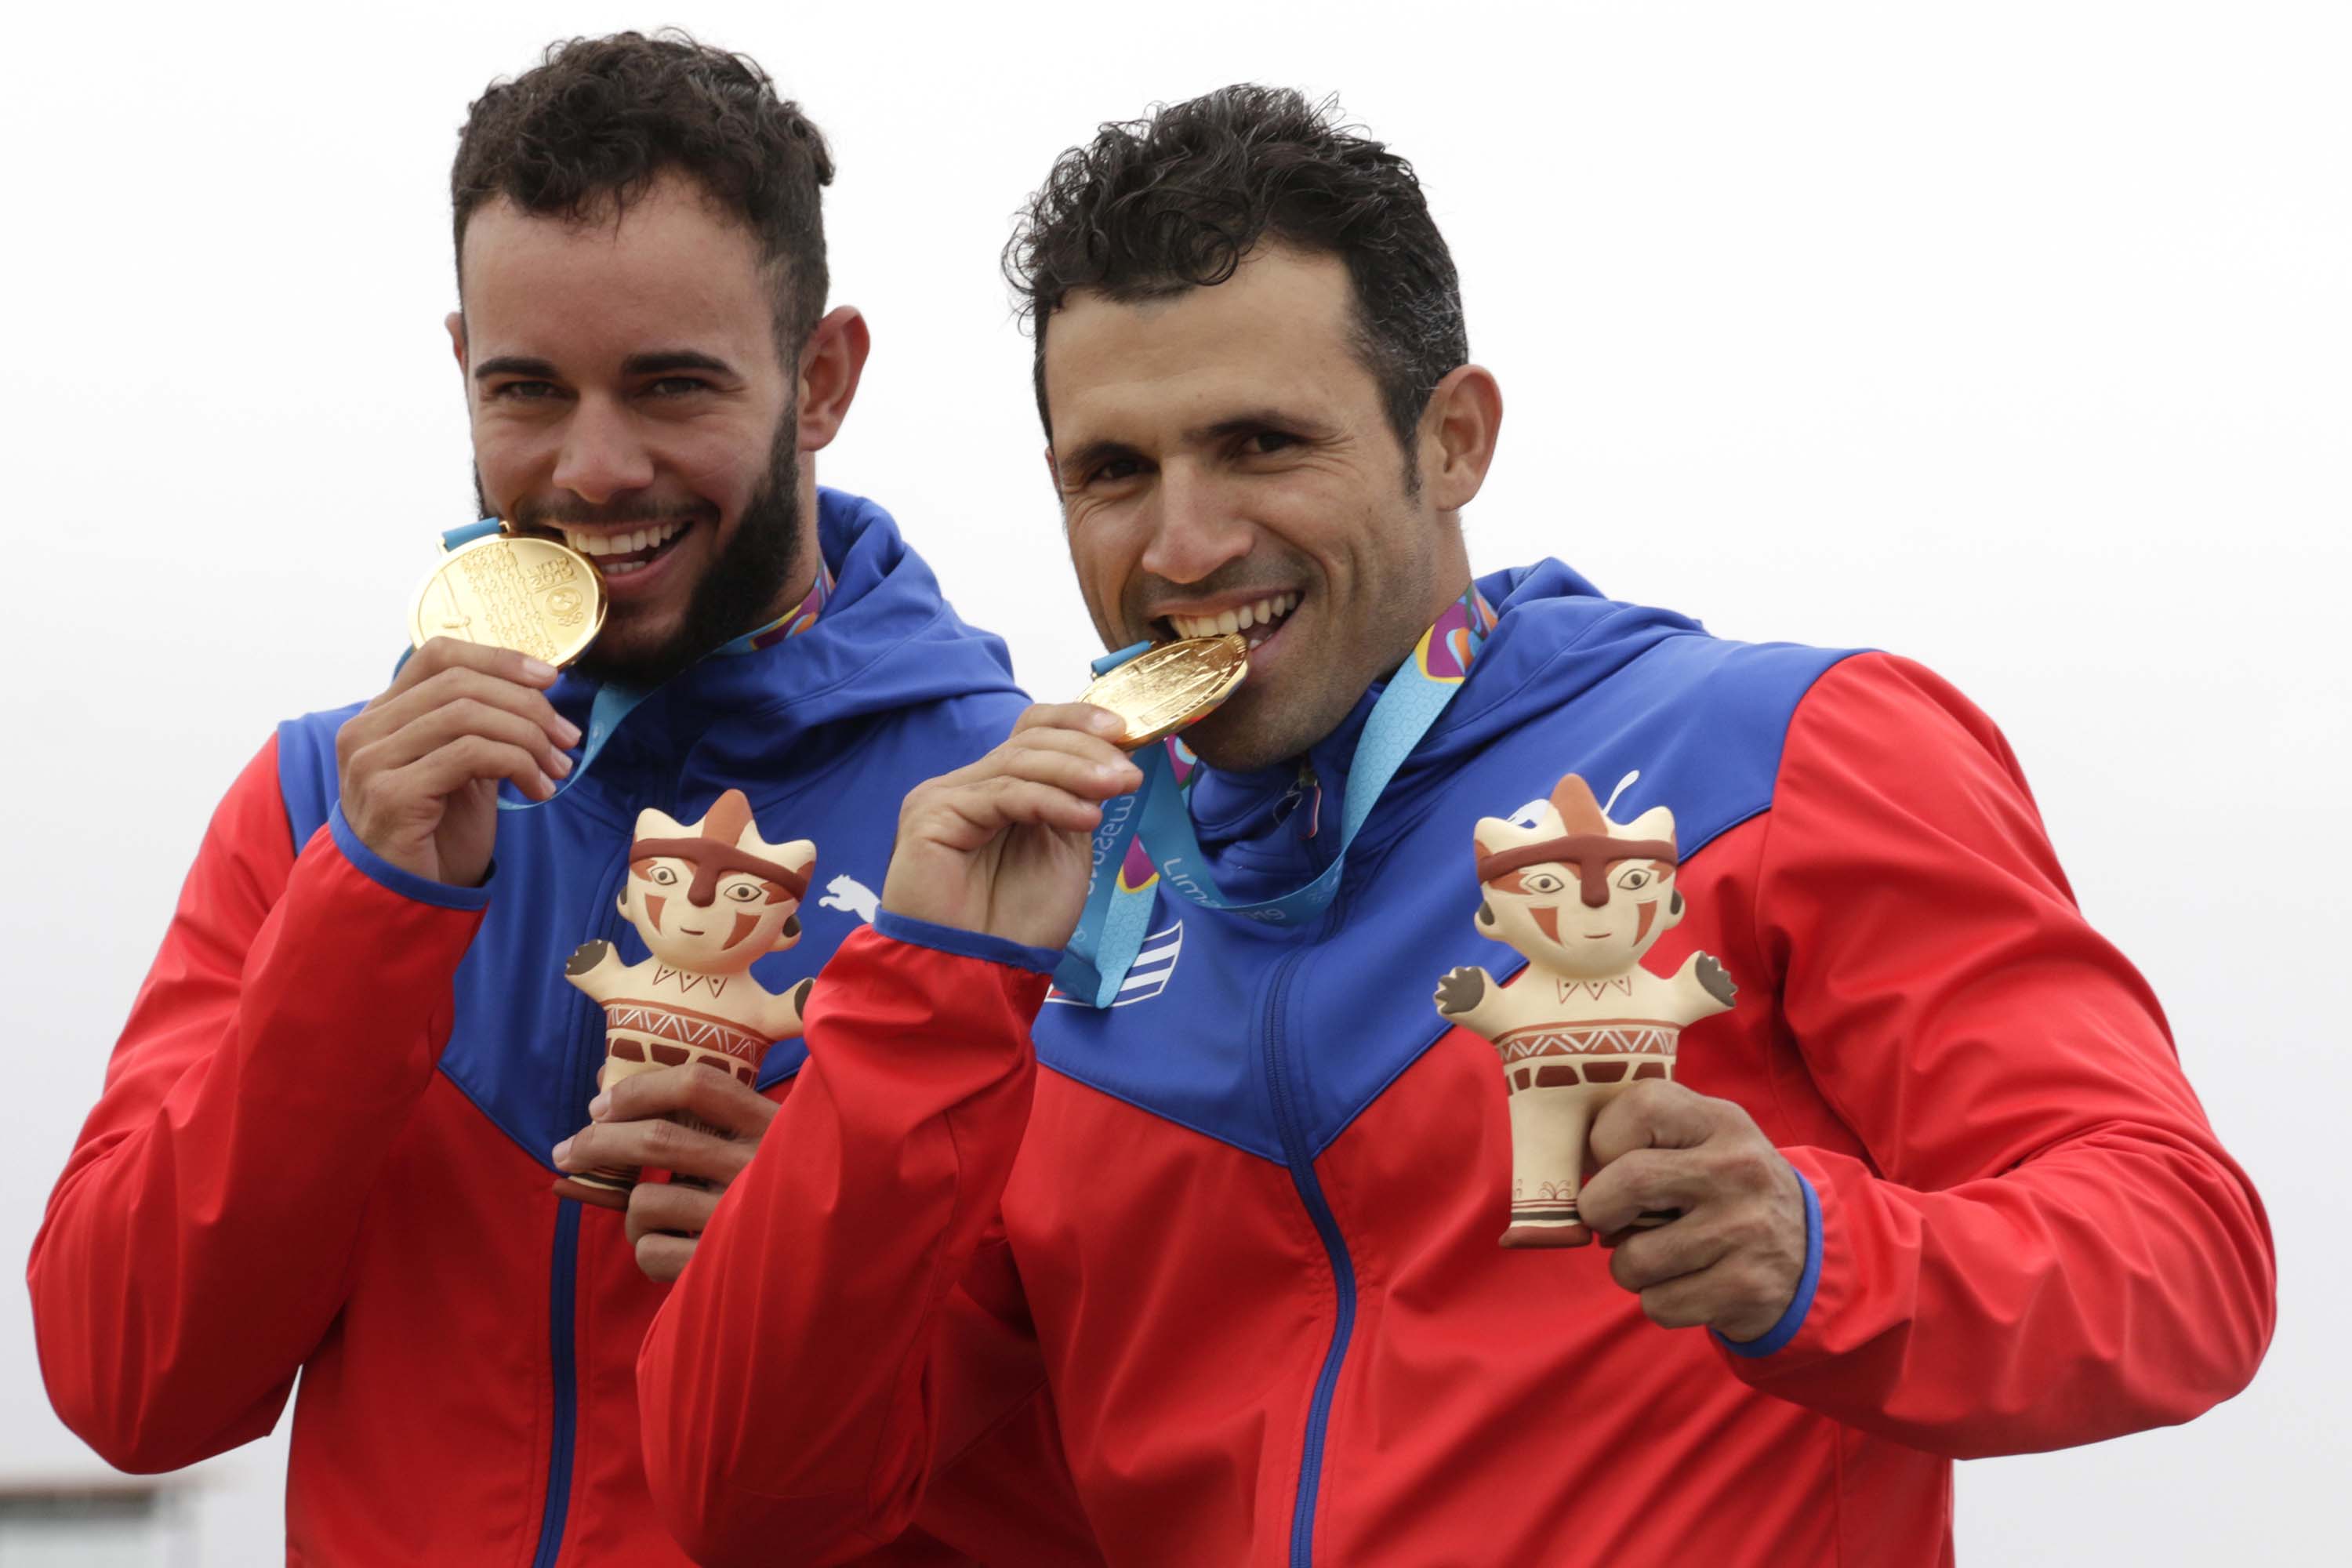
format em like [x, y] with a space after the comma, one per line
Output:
[1702, 989]
[1581, 898]
[596, 967]
[781, 1016]
[1470, 998]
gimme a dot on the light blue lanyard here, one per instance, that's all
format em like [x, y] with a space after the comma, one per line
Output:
[614, 701]
[1146, 840]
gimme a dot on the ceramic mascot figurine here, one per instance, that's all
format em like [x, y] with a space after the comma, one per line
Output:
[1581, 900]
[708, 898]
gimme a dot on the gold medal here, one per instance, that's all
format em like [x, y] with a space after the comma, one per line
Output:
[1160, 692]
[533, 596]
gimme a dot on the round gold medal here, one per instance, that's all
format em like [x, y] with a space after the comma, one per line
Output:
[533, 596]
[1158, 692]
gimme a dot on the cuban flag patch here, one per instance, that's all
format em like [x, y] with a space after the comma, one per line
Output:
[1149, 975]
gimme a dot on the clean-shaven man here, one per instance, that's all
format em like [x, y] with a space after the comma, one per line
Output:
[1941, 1188]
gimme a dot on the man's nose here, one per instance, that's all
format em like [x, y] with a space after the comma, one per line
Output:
[1196, 526]
[601, 456]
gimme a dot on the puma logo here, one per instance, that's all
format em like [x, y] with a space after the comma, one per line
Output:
[849, 893]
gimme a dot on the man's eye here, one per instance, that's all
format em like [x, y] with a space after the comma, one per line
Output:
[1116, 470]
[1265, 442]
[678, 386]
[523, 391]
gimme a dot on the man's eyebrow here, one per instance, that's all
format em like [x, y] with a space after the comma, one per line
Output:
[660, 361]
[515, 364]
[1248, 422]
[668, 362]
[1085, 459]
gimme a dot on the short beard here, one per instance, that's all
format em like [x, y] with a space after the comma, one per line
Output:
[1243, 737]
[738, 594]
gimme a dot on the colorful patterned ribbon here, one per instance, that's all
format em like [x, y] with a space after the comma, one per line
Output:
[1146, 840]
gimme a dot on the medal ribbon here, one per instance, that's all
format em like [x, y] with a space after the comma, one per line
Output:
[1146, 840]
[614, 700]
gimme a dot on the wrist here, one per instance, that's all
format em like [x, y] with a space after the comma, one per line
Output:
[402, 880]
[963, 942]
[1783, 1329]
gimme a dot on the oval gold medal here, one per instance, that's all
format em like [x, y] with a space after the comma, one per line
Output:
[533, 596]
[1176, 684]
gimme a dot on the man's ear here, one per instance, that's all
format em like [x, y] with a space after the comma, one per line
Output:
[457, 325]
[1457, 435]
[831, 363]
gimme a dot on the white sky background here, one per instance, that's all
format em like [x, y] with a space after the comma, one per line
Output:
[2013, 337]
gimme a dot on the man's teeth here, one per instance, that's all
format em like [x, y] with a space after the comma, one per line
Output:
[1262, 615]
[623, 543]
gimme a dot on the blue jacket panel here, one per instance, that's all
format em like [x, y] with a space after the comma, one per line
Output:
[1323, 1015]
[824, 732]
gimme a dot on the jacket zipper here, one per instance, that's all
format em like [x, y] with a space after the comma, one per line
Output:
[1300, 1160]
[561, 1304]
[562, 1308]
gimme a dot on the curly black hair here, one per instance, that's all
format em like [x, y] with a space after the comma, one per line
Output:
[1178, 200]
[589, 129]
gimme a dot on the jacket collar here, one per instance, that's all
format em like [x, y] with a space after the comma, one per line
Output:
[1250, 822]
[887, 640]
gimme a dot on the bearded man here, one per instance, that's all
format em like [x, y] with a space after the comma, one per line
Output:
[324, 1143]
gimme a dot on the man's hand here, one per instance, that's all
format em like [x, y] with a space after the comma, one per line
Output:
[1002, 847]
[629, 1127]
[1732, 1259]
[420, 765]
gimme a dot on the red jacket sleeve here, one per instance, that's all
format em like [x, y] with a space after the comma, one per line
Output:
[196, 1250]
[2045, 1243]
[848, 1350]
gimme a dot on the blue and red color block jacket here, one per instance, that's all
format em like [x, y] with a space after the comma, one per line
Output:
[323, 1145]
[1246, 1222]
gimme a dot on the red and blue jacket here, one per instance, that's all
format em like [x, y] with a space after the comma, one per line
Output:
[323, 1145]
[1245, 1222]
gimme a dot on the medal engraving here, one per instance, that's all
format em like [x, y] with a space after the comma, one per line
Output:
[1176, 684]
[533, 596]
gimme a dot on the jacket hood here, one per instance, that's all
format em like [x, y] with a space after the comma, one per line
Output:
[887, 640]
[1554, 636]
